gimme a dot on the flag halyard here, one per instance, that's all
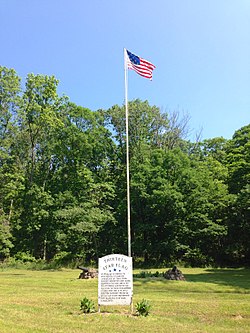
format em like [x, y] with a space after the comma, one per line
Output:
[140, 65]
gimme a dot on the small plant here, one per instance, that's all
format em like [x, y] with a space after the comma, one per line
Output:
[142, 275]
[142, 308]
[156, 274]
[87, 306]
[145, 274]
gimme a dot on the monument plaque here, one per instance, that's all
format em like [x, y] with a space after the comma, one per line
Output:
[115, 280]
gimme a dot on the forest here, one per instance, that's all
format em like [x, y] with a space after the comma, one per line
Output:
[63, 182]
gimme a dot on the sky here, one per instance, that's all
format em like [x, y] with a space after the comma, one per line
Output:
[201, 50]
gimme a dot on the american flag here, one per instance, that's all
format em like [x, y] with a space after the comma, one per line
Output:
[140, 65]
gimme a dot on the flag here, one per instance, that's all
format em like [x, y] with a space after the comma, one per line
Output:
[140, 65]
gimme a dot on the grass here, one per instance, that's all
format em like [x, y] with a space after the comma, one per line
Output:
[210, 300]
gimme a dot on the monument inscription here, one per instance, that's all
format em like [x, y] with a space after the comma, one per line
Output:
[115, 280]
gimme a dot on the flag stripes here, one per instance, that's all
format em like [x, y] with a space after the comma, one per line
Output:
[140, 65]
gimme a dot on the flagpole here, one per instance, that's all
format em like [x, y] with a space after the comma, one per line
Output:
[127, 150]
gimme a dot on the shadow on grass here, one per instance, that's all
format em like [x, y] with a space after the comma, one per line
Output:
[236, 278]
[12, 274]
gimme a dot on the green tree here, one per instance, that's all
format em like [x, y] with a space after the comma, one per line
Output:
[82, 182]
[149, 129]
[5, 237]
[10, 171]
[177, 198]
[63, 181]
[238, 162]
[238, 159]
[39, 119]
[206, 200]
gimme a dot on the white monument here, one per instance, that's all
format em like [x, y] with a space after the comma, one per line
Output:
[115, 280]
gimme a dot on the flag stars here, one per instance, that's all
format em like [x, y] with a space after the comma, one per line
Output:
[133, 58]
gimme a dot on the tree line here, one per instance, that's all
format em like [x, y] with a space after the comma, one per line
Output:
[63, 182]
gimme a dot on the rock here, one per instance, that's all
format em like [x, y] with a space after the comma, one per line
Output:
[174, 274]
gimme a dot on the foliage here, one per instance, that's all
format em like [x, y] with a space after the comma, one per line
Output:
[194, 258]
[147, 274]
[24, 257]
[5, 241]
[143, 307]
[63, 182]
[238, 159]
[87, 305]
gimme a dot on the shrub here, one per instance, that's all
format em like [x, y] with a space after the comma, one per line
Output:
[141, 275]
[142, 308]
[195, 258]
[62, 258]
[87, 306]
[145, 274]
[24, 257]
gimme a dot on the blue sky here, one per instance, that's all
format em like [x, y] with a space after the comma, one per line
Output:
[201, 50]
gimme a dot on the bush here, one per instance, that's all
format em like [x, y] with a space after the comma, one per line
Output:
[62, 258]
[142, 308]
[195, 258]
[24, 257]
[87, 306]
[145, 274]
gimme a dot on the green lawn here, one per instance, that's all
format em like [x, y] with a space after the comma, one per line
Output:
[211, 300]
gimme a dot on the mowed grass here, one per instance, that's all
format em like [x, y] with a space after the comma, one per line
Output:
[210, 300]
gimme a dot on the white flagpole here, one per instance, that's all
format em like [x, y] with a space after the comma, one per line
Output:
[127, 149]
